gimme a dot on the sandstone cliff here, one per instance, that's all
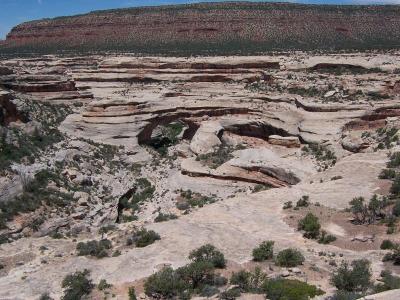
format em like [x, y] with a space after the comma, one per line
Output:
[216, 27]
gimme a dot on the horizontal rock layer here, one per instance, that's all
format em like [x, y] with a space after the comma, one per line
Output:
[221, 27]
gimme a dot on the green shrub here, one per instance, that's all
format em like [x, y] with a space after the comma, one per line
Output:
[321, 153]
[169, 136]
[107, 228]
[164, 217]
[325, 238]
[388, 174]
[264, 251]
[249, 282]
[359, 209]
[210, 254]
[396, 208]
[197, 274]
[56, 235]
[394, 160]
[132, 293]
[287, 289]
[77, 285]
[230, 294]
[344, 295]
[144, 237]
[218, 157]
[304, 201]
[287, 205]
[142, 191]
[394, 256]
[289, 258]
[310, 224]
[4, 238]
[241, 279]
[165, 284]
[94, 248]
[30, 145]
[388, 282]
[182, 205]
[220, 280]
[395, 188]
[208, 291]
[198, 277]
[368, 212]
[45, 296]
[192, 199]
[391, 230]
[387, 244]
[104, 285]
[35, 194]
[260, 187]
[356, 278]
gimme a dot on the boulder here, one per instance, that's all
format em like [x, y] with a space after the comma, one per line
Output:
[295, 270]
[207, 138]
[82, 198]
[285, 273]
[330, 94]
[83, 180]
[287, 141]
[363, 238]
[51, 226]
[354, 143]
[393, 122]
[289, 169]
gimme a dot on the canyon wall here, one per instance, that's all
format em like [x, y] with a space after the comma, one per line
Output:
[216, 27]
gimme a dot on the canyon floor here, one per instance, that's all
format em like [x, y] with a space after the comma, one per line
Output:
[219, 143]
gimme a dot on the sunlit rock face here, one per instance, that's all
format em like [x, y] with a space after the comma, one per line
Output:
[97, 147]
[214, 28]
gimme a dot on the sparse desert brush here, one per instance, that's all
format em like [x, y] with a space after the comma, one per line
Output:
[197, 277]
[290, 289]
[143, 238]
[387, 244]
[310, 224]
[304, 201]
[94, 248]
[264, 251]
[289, 258]
[210, 254]
[165, 217]
[354, 277]
[77, 285]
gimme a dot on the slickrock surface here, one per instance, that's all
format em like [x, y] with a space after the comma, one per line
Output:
[238, 131]
[216, 27]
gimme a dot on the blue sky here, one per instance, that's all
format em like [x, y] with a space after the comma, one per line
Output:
[13, 12]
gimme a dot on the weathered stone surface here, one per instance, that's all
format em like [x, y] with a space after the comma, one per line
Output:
[52, 226]
[244, 26]
[207, 138]
[10, 188]
[289, 170]
[250, 187]
[354, 143]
